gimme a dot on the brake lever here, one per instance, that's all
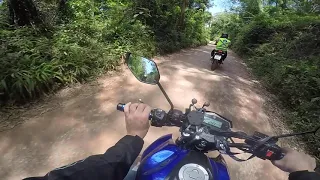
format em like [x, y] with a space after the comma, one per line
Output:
[231, 134]
[232, 154]
[263, 141]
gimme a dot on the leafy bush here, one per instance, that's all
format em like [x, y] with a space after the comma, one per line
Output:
[175, 26]
[225, 23]
[255, 33]
[284, 52]
[37, 59]
[77, 39]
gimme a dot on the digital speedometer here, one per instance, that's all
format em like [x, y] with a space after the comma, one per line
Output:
[215, 121]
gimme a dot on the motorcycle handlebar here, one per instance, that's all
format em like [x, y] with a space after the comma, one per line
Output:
[273, 154]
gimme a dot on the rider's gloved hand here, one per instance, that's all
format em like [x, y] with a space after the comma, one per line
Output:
[137, 119]
[295, 161]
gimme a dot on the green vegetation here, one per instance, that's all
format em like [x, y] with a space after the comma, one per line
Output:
[47, 44]
[280, 42]
[52, 43]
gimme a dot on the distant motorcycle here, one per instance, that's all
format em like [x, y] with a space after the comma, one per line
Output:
[216, 59]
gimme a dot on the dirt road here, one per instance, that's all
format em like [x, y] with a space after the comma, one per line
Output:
[82, 121]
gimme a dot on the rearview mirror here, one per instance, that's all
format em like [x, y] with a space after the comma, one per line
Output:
[145, 70]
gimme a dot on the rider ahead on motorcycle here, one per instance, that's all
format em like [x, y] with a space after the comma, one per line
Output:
[114, 164]
[222, 45]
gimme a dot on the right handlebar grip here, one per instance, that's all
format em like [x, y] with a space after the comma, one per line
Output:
[120, 107]
[278, 157]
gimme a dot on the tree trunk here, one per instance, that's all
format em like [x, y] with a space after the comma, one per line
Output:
[62, 4]
[23, 12]
[183, 10]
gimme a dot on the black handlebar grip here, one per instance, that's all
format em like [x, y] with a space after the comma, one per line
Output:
[120, 107]
[282, 156]
[279, 157]
[279, 154]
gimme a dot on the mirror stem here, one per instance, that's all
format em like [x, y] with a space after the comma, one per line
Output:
[165, 95]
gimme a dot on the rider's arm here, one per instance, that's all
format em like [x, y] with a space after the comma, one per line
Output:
[300, 166]
[115, 162]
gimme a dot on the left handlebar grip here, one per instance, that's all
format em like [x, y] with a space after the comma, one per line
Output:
[120, 107]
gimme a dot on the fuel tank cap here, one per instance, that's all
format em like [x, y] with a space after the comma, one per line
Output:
[193, 172]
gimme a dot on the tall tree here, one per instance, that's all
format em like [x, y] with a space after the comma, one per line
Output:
[183, 11]
[23, 12]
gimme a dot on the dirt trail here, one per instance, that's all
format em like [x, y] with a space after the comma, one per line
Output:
[83, 121]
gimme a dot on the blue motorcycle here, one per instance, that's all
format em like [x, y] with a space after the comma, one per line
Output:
[201, 131]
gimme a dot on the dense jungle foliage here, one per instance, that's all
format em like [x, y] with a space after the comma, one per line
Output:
[49, 43]
[280, 41]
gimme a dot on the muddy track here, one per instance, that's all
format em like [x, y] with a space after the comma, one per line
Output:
[82, 121]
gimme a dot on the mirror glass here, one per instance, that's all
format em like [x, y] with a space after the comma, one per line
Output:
[145, 70]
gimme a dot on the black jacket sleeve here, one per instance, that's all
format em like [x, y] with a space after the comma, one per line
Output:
[114, 164]
[304, 175]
